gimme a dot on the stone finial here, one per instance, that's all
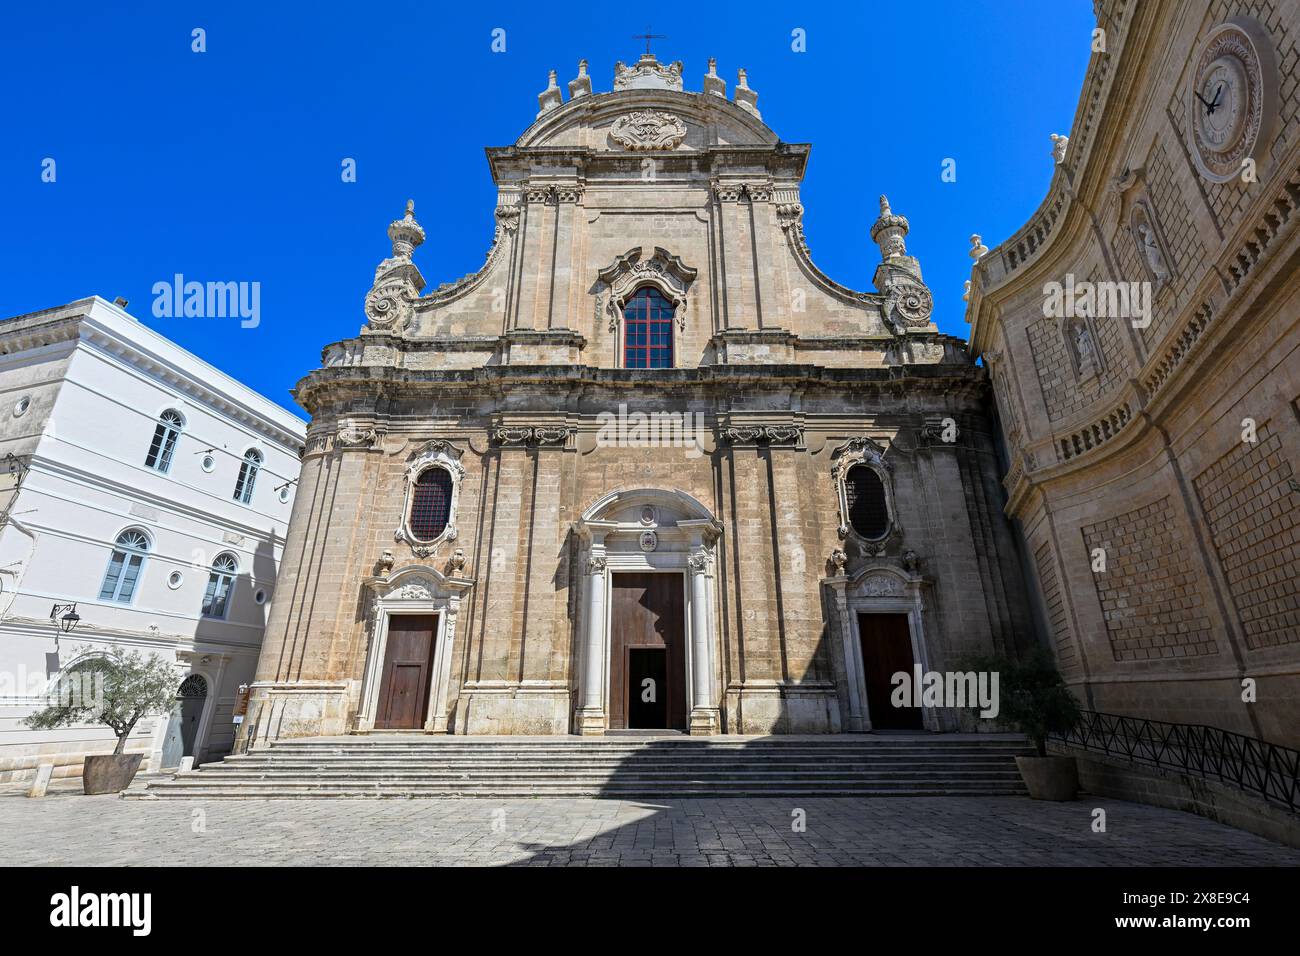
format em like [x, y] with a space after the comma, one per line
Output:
[390, 302]
[977, 248]
[714, 84]
[581, 84]
[405, 233]
[743, 96]
[1059, 145]
[965, 293]
[889, 231]
[550, 98]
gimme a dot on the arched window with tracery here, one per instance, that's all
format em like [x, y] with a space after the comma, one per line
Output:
[125, 566]
[648, 330]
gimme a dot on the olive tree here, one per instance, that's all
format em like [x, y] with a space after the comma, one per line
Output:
[115, 690]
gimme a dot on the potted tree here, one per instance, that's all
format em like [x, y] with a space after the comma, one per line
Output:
[1033, 699]
[115, 690]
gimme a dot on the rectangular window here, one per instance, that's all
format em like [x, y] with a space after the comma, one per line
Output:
[121, 577]
[648, 330]
[161, 449]
[217, 595]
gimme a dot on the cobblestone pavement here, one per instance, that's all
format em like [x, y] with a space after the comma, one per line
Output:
[70, 828]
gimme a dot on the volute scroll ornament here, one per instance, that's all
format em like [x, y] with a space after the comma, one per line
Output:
[390, 303]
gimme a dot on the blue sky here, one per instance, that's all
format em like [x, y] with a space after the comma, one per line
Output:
[225, 165]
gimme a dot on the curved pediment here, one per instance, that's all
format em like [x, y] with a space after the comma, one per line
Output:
[647, 120]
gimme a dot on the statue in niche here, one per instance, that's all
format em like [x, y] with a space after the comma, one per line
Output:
[1150, 248]
[1084, 350]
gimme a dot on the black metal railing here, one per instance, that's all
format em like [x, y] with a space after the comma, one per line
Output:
[1255, 766]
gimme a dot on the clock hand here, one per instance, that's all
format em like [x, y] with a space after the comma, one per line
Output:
[1200, 97]
[1217, 94]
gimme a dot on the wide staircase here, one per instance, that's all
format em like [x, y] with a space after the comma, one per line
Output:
[407, 766]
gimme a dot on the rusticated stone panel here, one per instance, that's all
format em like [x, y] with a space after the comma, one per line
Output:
[1254, 515]
[1058, 618]
[1151, 598]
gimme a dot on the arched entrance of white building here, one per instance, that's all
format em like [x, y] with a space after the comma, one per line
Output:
[182, 738]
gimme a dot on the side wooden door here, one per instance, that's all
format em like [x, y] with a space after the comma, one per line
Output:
[408, 672]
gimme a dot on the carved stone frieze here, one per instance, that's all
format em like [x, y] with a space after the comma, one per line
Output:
[763, 435]
[350, 436]
[524, 435]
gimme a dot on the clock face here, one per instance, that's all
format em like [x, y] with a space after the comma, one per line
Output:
[1230, 99]
[1221, 102]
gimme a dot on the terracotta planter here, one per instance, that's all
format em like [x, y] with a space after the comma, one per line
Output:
[1050, 778]
[109, 773]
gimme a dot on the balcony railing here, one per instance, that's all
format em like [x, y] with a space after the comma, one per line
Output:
[1254, 766]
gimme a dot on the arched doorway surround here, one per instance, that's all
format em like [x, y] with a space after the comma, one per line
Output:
[424, 592]
[648, 530]
[879, 587]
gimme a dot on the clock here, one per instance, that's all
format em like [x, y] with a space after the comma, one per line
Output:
[1231, 98]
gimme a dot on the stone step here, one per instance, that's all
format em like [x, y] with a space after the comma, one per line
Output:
[608, 743]
[664, 774]
[620, 759]
[790, 789]
[554, 754]
[437, 767]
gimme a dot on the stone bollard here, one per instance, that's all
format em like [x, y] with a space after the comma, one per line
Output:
[41, 782]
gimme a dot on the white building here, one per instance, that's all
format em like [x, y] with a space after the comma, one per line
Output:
[150, 490]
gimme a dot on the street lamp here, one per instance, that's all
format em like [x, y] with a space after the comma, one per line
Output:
[65, 619]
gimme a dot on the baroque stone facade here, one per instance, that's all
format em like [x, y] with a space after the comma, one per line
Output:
[797, 460]
[1154, 483]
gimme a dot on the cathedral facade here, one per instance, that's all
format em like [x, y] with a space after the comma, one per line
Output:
[648, 467]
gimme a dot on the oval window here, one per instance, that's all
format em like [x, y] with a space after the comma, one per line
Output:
[864, 494]
[431, 503]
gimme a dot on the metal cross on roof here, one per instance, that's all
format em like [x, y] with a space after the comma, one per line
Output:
[648, 36]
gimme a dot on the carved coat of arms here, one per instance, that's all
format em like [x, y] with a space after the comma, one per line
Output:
[648, 129]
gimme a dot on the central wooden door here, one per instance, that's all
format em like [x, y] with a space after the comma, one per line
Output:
[647, 667]
[886, 651]
[408, 672]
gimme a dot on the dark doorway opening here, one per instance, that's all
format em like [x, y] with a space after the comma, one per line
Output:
[647, 683]
[886, 651]
[647, 642]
